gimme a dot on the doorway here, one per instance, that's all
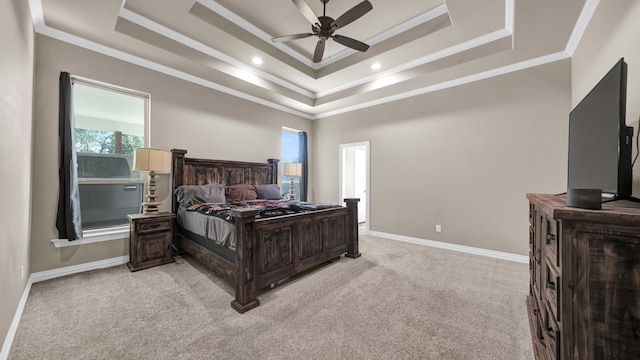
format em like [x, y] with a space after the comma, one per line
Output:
[354, 178]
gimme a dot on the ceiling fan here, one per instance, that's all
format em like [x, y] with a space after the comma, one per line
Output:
[325, 26]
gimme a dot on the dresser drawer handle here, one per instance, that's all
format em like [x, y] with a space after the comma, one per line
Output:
[551, 285]
[551, 334]
[154, 225]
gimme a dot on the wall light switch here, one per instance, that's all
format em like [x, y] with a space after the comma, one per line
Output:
[438, 228]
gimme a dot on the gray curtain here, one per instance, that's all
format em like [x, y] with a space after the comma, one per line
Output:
[68, 221]
[304, 160]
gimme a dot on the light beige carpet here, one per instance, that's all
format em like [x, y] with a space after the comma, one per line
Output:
[398, 301]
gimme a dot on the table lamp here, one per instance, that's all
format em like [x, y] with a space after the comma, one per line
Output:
[151, 161]
[292, 170]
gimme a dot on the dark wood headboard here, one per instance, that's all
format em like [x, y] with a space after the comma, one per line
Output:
[190, 171]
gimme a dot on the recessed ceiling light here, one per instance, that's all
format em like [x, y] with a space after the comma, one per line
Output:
[256, 60]
[376, 66]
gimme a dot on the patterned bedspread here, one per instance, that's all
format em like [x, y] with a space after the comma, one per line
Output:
[266, 208]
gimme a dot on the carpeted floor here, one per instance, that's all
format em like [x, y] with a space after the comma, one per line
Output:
[398, 301]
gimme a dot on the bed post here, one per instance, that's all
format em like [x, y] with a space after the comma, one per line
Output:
[274, 170]
[177, 172]
[352, 242]
[245, 220]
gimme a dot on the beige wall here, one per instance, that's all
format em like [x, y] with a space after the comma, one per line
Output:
[207, 123]
[16, 88]
[463, 158]
[612, 33]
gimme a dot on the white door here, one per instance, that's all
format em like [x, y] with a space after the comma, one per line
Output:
[354, 176]
[360, 181]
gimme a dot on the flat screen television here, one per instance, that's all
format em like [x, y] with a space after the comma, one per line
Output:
[600, 142]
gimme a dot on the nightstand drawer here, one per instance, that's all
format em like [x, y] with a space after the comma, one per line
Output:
[156, 225]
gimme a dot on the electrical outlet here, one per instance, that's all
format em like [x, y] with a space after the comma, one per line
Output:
[438, 228]
[21, 272]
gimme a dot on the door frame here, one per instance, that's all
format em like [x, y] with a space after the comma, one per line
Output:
[367, 145]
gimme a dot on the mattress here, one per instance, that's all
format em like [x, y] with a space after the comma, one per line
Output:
[209, 227]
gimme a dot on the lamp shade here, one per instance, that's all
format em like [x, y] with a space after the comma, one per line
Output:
[292, 169]
[146, 160]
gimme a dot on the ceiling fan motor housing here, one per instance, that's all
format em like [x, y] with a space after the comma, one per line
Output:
[326, 30]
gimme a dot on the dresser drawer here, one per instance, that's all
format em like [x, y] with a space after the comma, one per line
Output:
[532, 235]
[536, 315]
[552, 242]
[532, 273]
[155, 225]
[532, 214]
[552, 290]
[551, 336]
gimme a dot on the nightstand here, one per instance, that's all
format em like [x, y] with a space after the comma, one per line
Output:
[150, 240]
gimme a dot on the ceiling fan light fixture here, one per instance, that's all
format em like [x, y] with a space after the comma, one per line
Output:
[324, 26]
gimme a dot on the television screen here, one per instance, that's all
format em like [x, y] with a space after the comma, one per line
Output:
[599, 140]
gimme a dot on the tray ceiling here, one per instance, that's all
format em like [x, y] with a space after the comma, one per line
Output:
[421, 46]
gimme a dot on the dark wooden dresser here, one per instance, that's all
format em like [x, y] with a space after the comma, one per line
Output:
[150, 240]
[584, 297]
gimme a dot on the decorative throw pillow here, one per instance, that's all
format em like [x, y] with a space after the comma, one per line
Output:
[240, 193]
[268, 192]
[188, 195]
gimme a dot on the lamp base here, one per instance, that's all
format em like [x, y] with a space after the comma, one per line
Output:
[292, 194]
[150, 207]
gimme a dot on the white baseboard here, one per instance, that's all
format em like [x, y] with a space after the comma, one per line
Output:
[46, 275]
[74, 269]
[454, 247]
[8, 340]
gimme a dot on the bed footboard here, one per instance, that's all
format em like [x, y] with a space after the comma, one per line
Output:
[270, 250]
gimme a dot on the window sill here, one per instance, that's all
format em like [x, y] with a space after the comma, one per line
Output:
[94, 236]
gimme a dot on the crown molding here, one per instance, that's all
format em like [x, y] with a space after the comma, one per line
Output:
[196, 45]
[459, 48]
[233, 17]
[451, 83]
[587, 12]
[229, 15]
[387, 34]
[581, 25]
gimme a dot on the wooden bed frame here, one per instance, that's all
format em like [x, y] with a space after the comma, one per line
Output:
[268, 250]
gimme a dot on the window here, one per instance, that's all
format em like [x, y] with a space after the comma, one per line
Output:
[290, 154]
[110, 122]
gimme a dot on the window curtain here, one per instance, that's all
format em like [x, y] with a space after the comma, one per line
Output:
[68, 221]
[304, 160]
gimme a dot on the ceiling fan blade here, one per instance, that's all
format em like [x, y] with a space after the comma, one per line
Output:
[291, 37]
[306, 11]
[317, 55]
[352, 14]
[352, 43]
